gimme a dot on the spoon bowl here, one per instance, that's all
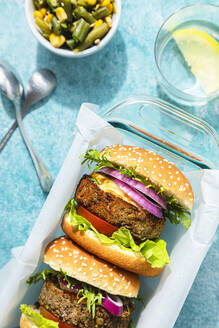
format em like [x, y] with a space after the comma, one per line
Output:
[12, 88]
[40, 85]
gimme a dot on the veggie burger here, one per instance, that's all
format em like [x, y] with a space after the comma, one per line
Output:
[80, 291]
[120, 209]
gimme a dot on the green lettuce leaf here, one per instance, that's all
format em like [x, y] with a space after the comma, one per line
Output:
[37, 318]
[154, 251]
[174, 213]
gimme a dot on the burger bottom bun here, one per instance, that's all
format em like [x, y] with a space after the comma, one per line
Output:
[127, 260]
[27, 323]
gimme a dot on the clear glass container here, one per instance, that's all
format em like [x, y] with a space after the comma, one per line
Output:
[182, 138]
[173, 71]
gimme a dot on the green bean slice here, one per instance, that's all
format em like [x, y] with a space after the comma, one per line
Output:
[101, 12]
[81, 30]
[81, 12]
[56, 26]
[97, 33]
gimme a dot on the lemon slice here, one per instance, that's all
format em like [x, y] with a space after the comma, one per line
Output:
[201, 52]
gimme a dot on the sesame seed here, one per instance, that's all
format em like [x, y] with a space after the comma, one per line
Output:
[110, 269]
[111, 274]
[101, 276]
[101, 270]
[62, 248]
[105, 285]
[64, 242]
[94, 274]
[126, 287]
[70, 254]
[68, 264]
[130, 294]
[60, 261]
[81, 257]
[56, 250]
[177, 172]
[169, 184]
[178, 178]
[79, 269]
[116, 279]
[152, 172]
[84, 273]
[83, 264]
[154, 166]
[160, 175]
[105, 265]
[75, 261]
[94, 279]
[114, 284]
[150, 158]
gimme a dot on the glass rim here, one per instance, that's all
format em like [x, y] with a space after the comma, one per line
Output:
[183, 95]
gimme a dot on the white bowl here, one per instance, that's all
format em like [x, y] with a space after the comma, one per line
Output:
[29, 9]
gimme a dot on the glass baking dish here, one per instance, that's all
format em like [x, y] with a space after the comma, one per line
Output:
[188, 141]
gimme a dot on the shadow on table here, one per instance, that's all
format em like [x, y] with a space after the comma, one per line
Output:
[96, 78]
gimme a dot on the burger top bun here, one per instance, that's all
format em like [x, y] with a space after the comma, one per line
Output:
[157, 169]
[63, 254]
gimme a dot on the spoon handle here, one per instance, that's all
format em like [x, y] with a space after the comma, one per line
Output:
[13, 127]
[44, 176]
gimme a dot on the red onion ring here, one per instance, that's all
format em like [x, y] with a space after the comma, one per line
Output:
[139, 199]
[135, 184]
[72, 289]
[113, 304]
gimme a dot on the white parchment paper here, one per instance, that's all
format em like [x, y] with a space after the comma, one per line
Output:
[164, 295]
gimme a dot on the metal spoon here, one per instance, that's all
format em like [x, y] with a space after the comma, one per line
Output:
[40, 85]
[13, 89]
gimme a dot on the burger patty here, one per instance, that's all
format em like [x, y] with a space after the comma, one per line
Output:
[142, 224]
[64, 306]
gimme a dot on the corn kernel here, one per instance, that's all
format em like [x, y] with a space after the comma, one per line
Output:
[105, 3]
[91, 2]
[38, 14]
[98, 23]
[49, 18]
[43, 11]
[56, 40]
[110, 8]
[108, 20]
[61, 14]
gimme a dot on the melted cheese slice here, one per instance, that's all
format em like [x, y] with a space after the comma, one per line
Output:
[107, 185]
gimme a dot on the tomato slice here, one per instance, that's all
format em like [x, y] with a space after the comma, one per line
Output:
[101, 225]
[48, 315]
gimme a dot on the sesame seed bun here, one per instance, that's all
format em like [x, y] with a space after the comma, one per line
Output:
[63, 254]
[125, 259]
[157, 169]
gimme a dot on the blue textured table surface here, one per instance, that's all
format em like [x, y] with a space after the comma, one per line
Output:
[124, 67]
